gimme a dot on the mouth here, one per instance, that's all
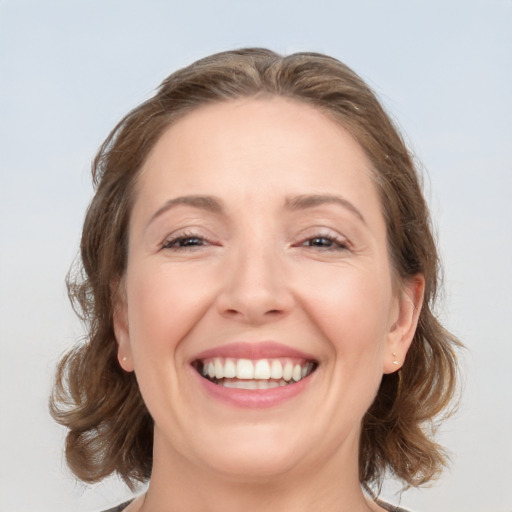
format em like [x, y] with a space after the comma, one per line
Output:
[241, 373]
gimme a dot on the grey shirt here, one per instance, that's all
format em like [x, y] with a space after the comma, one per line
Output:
[384, 504]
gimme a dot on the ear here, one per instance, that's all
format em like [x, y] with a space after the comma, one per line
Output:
[121, 329]
[404, 321]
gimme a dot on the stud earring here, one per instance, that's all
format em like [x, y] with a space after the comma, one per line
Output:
[395, 361]
[124, 359]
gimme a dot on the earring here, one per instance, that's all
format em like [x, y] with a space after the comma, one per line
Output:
[124, 359]
[396, 360]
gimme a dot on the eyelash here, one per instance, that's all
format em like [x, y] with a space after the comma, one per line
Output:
[181, 242]
[335, 243]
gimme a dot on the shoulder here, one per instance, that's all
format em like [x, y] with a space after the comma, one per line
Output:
[119, 508]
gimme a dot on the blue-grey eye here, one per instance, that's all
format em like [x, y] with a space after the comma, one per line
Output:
[184, 242]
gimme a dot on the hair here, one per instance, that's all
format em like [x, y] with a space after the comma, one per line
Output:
[110, 429]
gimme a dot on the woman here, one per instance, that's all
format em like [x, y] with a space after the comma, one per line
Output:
[258, 280]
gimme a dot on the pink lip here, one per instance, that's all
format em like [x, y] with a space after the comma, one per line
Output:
[254, 398]
[254, 351]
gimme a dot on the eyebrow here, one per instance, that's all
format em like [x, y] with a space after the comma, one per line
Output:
[207, 203]
[214, 205]
[303, 202]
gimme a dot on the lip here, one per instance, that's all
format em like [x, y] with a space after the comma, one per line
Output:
[254, 351]
[254, 398]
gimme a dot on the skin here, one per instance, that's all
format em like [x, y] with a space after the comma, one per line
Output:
[315, 277]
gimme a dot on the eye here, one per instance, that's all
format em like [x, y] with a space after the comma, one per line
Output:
[325, 242]
[185, 241]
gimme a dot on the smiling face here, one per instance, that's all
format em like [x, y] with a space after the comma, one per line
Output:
[257, 308]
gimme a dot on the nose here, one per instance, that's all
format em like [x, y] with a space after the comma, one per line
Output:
[256, 289]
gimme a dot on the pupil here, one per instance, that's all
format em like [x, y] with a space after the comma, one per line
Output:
[190, 241]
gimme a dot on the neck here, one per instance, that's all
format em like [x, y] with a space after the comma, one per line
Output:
[178, 485]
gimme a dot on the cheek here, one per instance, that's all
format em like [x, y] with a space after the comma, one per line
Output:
[163, 306]
[352, 311]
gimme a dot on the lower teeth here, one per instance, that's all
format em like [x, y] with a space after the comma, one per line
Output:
[251, 384]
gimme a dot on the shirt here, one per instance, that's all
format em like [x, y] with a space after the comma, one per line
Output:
[384, 504]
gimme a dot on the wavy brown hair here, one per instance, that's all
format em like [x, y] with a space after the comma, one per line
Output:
[110, 429]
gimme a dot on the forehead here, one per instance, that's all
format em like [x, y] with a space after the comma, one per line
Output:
[267, 140]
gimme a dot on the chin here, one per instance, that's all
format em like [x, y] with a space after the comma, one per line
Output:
[254, 465]
[254, 454]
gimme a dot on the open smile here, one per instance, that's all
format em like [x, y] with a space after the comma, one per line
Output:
[259, 374]
[254, 374]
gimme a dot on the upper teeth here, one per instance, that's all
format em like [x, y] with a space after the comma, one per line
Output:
[264, 369]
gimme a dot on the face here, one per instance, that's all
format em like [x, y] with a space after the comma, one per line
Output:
[257, 309]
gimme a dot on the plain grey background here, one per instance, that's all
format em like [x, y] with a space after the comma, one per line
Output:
[70, 69]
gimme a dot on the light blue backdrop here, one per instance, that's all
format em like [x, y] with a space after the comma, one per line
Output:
[70, 69]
